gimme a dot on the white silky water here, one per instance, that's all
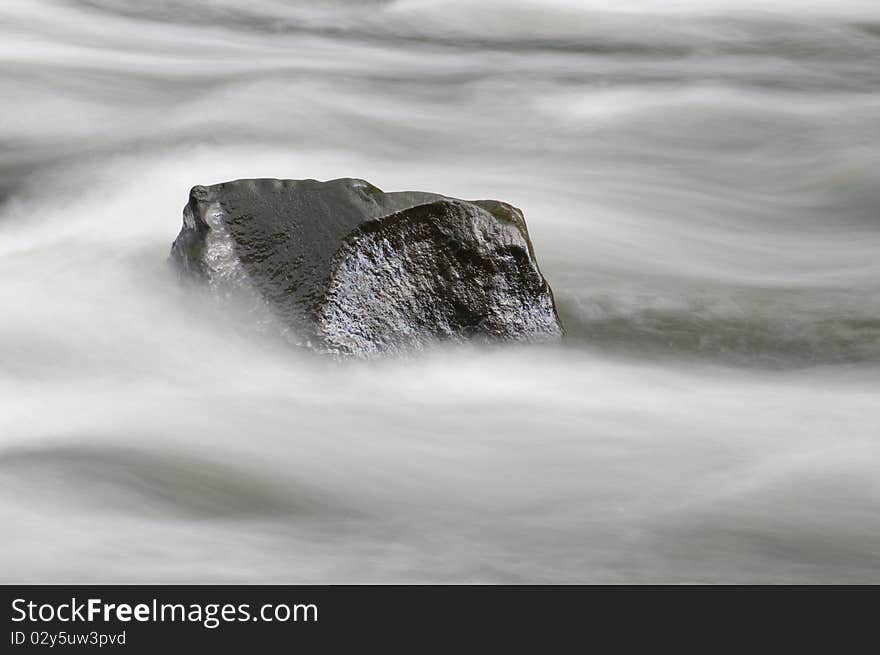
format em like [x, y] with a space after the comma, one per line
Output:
[701, 182]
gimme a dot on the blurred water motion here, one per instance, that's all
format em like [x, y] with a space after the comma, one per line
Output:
[701, 182]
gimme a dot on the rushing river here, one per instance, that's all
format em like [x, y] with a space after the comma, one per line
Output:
[702, 185]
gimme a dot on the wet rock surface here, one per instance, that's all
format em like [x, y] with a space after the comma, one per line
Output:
[353, 270]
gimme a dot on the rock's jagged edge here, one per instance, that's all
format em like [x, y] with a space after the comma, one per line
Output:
[355, 271]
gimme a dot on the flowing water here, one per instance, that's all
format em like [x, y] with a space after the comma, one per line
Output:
[702, 185]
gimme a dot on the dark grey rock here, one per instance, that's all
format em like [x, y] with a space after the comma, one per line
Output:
[353, 270]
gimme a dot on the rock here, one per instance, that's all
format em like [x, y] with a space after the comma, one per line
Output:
[353, 270]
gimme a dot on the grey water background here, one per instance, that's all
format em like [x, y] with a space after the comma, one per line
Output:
[702, 185]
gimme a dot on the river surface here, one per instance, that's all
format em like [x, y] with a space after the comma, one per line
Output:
[701, 182]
